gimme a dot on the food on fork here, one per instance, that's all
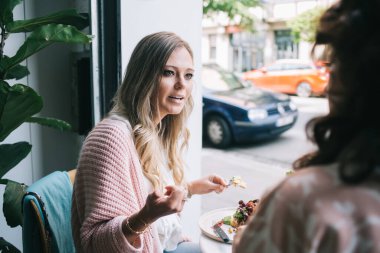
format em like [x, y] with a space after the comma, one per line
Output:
[237, 181]
[289, 172]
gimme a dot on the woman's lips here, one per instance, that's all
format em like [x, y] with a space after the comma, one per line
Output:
[176, 97]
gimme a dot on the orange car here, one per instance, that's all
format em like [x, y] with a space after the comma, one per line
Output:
[292, 77]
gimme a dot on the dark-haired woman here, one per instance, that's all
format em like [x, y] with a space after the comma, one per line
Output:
[332, 202]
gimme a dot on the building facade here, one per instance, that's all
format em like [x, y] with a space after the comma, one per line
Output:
[239, 51]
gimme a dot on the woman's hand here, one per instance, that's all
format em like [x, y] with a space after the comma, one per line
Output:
[157, 205]
[161, 204]
[207, 184]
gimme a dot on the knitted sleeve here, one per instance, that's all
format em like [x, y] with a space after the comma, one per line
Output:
[104, 192]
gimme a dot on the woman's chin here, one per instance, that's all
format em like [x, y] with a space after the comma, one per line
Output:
[175, 110]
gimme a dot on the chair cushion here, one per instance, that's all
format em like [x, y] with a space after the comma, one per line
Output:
[55, 191]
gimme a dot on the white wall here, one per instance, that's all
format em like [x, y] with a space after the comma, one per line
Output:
[223, 48]
[223, 51]
[304, 50]
[205, 49]
[142, 17]
[51, 76]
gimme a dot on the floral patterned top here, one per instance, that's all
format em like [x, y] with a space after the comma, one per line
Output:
[314, 211]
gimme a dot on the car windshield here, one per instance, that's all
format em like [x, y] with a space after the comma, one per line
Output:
[218, 80]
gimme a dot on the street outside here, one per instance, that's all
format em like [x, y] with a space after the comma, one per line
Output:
[263, 164]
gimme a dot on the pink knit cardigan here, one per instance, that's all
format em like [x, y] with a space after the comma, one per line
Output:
[109, 187]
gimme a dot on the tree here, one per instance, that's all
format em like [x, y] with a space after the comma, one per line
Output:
[304, 25]
[237, 11]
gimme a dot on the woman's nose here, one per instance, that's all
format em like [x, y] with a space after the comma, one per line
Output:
[180, 82]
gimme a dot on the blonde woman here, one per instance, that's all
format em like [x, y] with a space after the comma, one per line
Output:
[130, 185]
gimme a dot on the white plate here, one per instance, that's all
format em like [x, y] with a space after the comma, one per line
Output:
[207, 220]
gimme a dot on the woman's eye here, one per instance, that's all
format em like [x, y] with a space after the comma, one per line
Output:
[168, 73]
[189, 76]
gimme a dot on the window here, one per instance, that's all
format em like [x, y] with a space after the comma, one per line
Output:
[212, 45]
[286, 48]
[235, 59]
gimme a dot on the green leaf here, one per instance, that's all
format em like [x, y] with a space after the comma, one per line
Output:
[4, 87]
[6, 247]
[304, 25]
[227, 220]
[66, 17]
[45, 36]
[238, 216]
[3, 62]
[12, 154]
[50, 122]
[6, 10]
[21, 102]
[236, 11]
[12, 206]
[17, 72]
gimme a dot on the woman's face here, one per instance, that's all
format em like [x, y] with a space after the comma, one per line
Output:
[176, 83]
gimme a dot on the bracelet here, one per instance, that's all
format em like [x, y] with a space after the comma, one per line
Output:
[187, 192]
[132, 230]
[143, 222]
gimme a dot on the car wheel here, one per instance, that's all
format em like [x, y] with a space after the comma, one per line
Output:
[218, 132]
[304, 89]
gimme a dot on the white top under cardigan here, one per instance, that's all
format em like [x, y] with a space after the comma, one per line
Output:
[169, 227]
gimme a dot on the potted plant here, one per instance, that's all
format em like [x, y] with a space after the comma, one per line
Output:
[20, 103]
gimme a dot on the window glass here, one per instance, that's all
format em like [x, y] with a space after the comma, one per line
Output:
[275, 67]
[212, 41]
[295, 66]
[303, 66]
[285, 46]
[218, 80]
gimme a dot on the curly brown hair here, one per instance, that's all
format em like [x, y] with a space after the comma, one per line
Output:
[350, 133]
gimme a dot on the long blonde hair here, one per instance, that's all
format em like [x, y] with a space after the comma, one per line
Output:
[137, 100]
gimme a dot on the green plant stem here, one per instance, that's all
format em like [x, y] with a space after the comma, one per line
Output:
[3, 181]
[2, 42]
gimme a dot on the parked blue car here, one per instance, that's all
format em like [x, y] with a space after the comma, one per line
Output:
[235, 111]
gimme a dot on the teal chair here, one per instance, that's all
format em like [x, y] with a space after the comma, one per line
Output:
[47, 214]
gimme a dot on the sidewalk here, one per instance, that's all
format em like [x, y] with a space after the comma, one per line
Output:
[259, 177]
